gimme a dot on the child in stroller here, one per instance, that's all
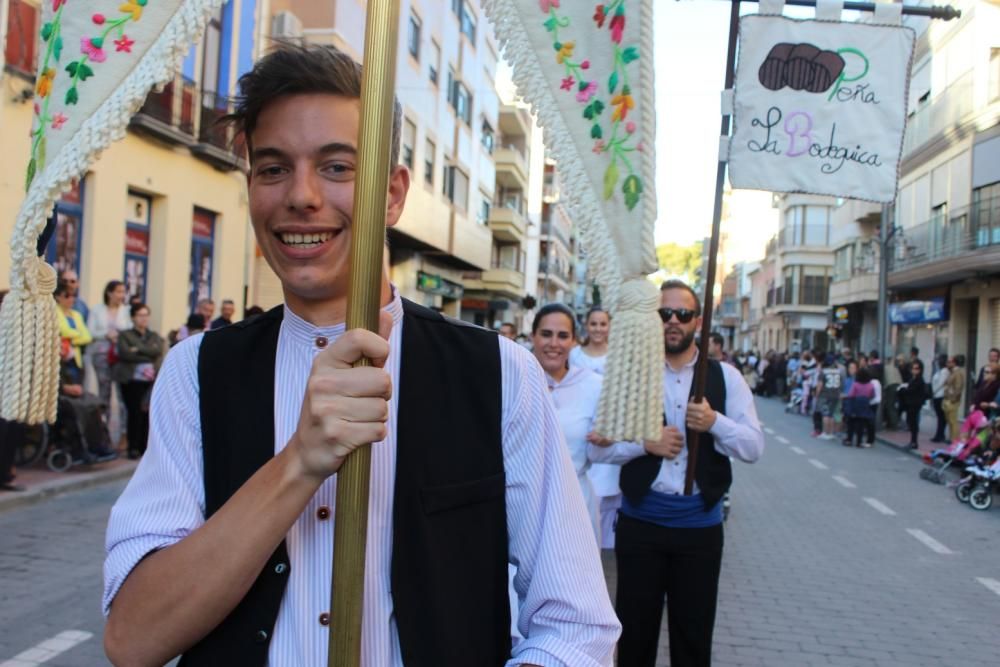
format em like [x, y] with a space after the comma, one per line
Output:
[976, 488]
[958, 452]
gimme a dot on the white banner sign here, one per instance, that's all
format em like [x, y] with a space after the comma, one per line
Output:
[820, 107]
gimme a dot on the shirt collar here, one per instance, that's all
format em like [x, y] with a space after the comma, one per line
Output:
[301, 331]
[690, 364]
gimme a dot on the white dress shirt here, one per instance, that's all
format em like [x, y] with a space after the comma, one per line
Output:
[603, 476]
[737, 433]
[564, 612]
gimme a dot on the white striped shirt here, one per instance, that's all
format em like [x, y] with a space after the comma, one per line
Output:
[565, 614]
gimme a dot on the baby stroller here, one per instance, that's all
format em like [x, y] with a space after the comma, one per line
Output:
[80, 434]
[976, 488]
[958, 452]
[794, 400]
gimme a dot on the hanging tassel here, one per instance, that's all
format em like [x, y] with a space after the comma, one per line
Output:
[29, 346]
[631, 404]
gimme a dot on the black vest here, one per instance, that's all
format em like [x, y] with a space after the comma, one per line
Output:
[712, 471]
[449, 558]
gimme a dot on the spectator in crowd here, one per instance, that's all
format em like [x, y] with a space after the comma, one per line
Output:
[140, 351]
[105, 321]
[875, 366]
[73, 332]
[938, 381]
[890, 384]
[994, 358]
[716, 347]
[984, 398]
[253, 311]
[951, 399]
[81, 419]
[912, 395]
[225, 317]
[72, 280]
[11, 437]
[831, 379]
[508, 330]
[205, 308]
[593, 352]
[859, 410]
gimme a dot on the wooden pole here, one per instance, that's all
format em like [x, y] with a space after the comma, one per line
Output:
[367, 243]
[701, 369]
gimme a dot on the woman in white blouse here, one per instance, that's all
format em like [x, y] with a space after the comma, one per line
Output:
[105, 321]
[594, 351]
[575, 391]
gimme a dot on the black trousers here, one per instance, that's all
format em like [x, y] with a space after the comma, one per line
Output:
[942, 420]
[682, 564]
[862, 428]
[913, 421]
[133, 394]
[11, 437]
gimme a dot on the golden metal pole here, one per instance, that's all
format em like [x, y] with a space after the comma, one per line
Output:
[367, 242]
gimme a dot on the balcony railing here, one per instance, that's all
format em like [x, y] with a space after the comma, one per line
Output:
[963, 230]
[215, 140]
[167, 118]
[945, 111]
[551, 229]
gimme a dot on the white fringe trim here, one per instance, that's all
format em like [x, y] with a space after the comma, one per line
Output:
[632, 398]
[27, 330]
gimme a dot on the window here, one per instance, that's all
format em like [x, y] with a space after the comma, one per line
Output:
[994, 84]
[413, 36]
[467, 21]
[456, 186]
[22, 26]
[843, 268]
[429, 149]
[409, 141]
[435, 62]
[488, 137]
[202, 244]
[484, 210]
[789, 291]
[815, 286]
[816, 225]
[63, 251]
[137, 232]
[461, 101]
[210, 59]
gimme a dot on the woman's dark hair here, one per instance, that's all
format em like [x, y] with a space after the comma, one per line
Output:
[294, 70]
[917, 362]
[109, 288]
[63, 289]
[586, 319]
[549, 309]
[863, 375]
[136, 307]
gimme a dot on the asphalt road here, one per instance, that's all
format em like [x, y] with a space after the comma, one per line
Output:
[834, 556]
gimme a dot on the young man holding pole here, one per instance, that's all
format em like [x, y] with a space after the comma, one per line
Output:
[669, 543]
[220, 548]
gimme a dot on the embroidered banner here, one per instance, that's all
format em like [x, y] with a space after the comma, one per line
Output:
[820, 107]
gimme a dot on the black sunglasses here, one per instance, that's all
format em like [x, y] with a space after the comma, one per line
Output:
[684, 315]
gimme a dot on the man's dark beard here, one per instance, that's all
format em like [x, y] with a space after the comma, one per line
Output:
[680, 347]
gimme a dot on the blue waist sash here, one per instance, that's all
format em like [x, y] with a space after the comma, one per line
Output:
[674, 510]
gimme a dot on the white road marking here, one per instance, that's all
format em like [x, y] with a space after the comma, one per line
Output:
[819, 464]
[991, 584]
[881, 507]
[904, 458]
[769, 431]
[798, 450]
[782, 439]
[48, 649]
[929, 541]
[844, 482]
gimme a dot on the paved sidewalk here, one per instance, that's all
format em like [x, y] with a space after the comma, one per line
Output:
[41, 483]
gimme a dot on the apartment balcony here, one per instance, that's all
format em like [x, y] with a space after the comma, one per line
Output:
[511, 167]
[854, 289]
[965, 244]
[556, 276]
[216, 143]
[944, 113]
[514, 121]
[502, 280]
[556, 231]
[507, 224]
[168, 115]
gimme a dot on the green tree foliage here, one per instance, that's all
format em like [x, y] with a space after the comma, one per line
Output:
[680, 261]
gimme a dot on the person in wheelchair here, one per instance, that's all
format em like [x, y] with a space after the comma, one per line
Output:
[80, 427]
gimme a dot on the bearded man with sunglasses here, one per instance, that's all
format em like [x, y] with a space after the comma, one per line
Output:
[669, 544]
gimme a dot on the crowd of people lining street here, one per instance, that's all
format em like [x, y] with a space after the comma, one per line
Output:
[109, 360]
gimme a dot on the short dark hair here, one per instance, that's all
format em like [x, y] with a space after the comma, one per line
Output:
[549, 309]
[136, 307]
[508, 324]
[195, 321]
[914, 351]
[63, 289]
[109, 288]
[596, 309]
[228, 302]
[717, 338]
[291, 69]
[995, 349]
[680, 284]
[863, 375]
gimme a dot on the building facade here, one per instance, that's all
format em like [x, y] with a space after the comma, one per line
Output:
[854, 286]
[944, 251]
[165, 208]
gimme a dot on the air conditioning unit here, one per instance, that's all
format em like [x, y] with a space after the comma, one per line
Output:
[286, 25]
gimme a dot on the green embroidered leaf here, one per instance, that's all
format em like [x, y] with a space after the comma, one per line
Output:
[583, 85]
[630, 54]
[71, 68]
[98, 42]
[588, 111]
[46, 31]
[621, 10]
[57, 47]
[30, 176]
[41, 153]
[610, 179]
[72, 96]
[550, 25]
[598, 107]
[85, 72]
[557, 46]
[613, 82]
[596, 132]
[632, 189]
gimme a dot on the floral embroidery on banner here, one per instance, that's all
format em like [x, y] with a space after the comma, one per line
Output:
[93, 50]
[615, 137]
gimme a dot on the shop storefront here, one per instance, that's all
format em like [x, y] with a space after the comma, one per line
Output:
[923, 324]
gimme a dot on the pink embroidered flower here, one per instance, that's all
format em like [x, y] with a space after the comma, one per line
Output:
[59, 120]
[617, 26]
[124, 44]
[38, 109]
[56, 4]
[567, 83]
[88, 48]
[587, 92]
[599, 16]
[598, 146]
[630, 127]
[585, 64]
[546, 5]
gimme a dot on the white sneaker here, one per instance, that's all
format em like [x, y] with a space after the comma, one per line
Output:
[826, 436]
